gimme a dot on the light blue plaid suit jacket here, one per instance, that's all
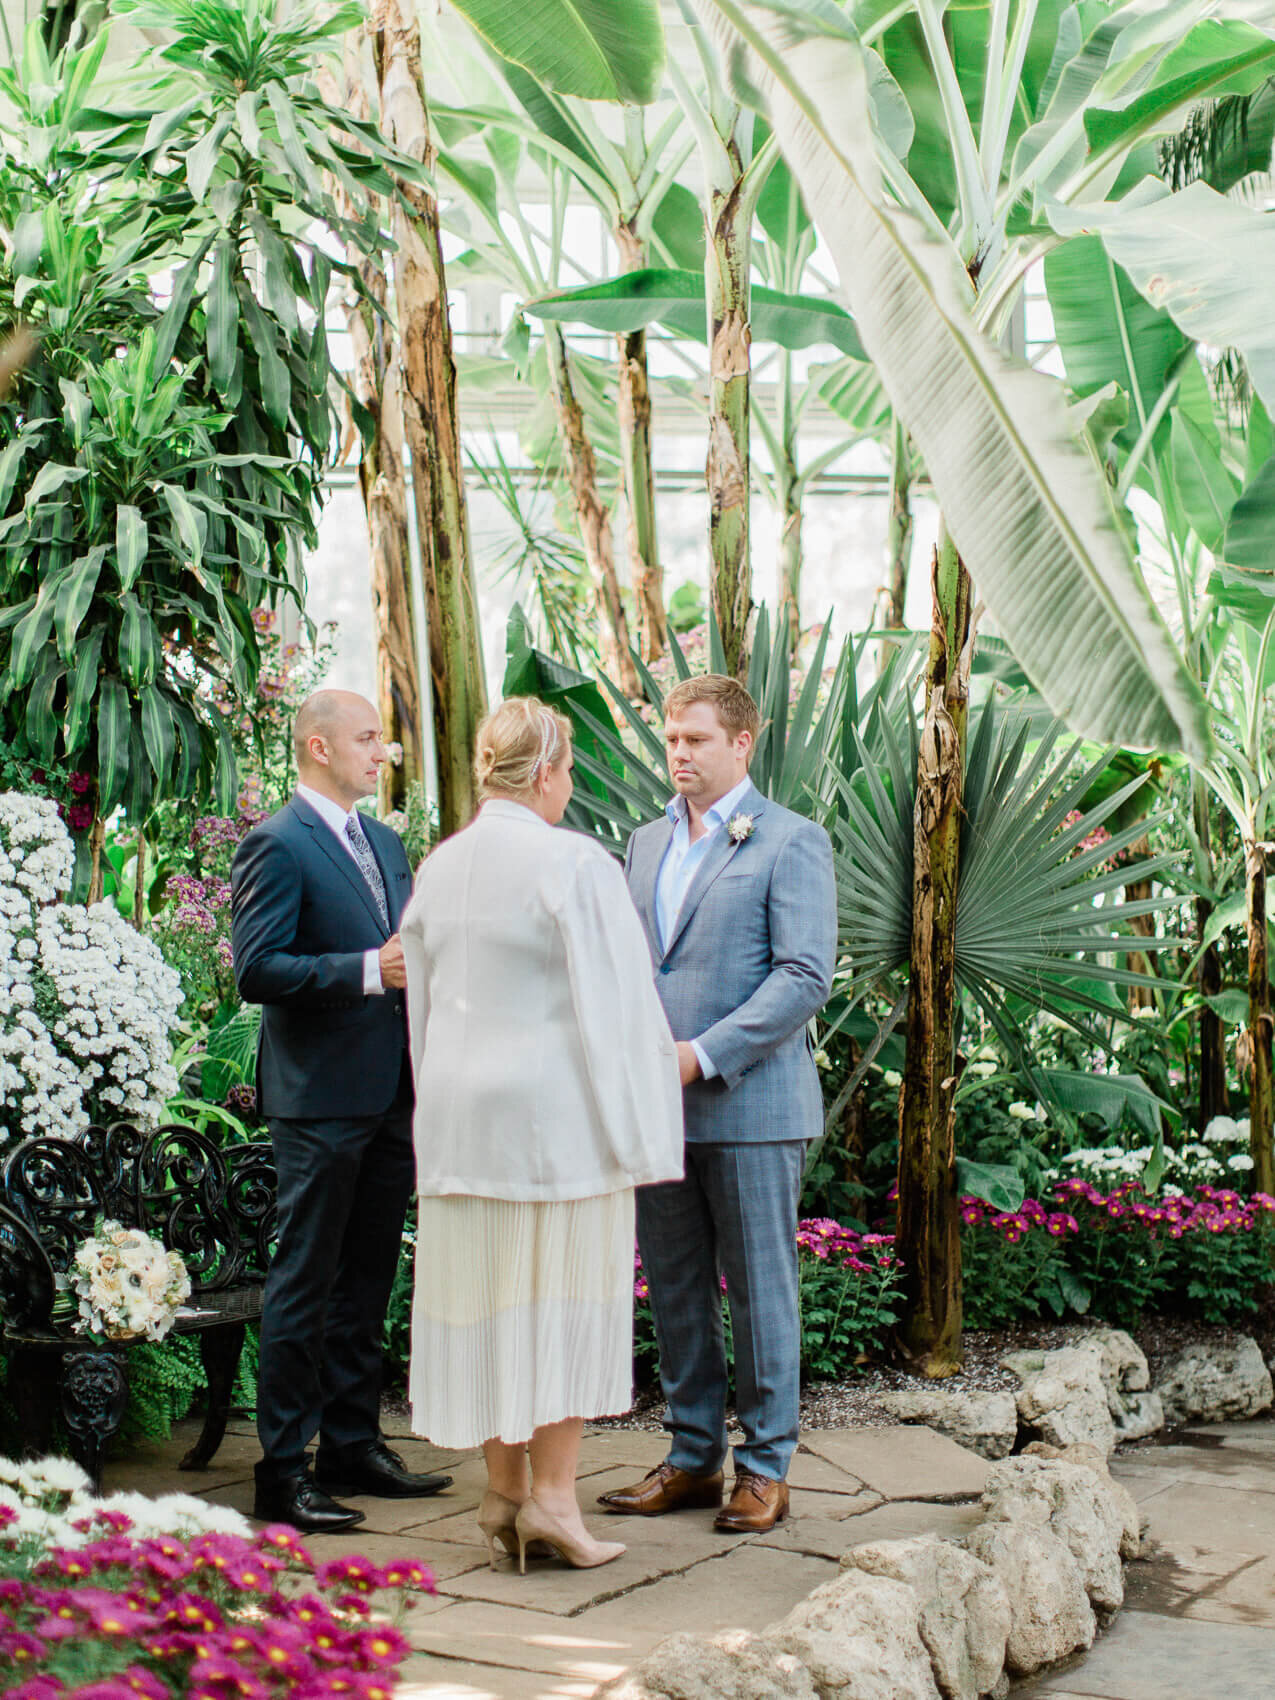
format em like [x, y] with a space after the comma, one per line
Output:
[750, 960]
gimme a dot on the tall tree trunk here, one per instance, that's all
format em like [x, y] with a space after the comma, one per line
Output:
[854, 1137]
[97, 843]
[727, 257]
[139, 884]
[790, 507]
[1214, 1098]
[430, 423]
[592, 515]
[898, 541]
[1260, 1100]
[377, 386]
[928, 1242]
[639, 472]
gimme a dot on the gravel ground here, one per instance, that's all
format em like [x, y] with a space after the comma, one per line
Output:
[853, 1402]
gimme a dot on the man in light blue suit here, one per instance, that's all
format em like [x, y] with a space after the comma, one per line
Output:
[739, 903]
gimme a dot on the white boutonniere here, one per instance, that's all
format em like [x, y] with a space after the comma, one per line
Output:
[739, 827]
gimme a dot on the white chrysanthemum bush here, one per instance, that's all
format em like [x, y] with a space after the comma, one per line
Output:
[87, 1004]
[49, 1502]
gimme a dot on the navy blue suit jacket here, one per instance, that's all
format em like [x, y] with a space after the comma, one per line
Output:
[302, 919]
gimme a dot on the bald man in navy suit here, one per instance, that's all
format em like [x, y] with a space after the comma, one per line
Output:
[316, 894]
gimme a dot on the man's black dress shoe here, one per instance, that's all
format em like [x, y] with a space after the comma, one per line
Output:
[376, 1470]
[299, 1500]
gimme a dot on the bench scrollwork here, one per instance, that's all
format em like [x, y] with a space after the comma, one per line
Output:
[215, 1205]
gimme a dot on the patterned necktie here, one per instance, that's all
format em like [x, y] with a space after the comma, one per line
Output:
[367, 867]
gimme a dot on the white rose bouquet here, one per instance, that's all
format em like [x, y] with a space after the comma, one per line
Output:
[126, 1283]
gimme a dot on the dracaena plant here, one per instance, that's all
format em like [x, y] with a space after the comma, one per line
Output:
[161, 455]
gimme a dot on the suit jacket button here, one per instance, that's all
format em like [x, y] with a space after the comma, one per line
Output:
[665, 968]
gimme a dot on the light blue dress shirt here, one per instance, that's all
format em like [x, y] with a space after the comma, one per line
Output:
[681, 861]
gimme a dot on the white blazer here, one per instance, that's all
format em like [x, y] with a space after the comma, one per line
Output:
[544, 1064]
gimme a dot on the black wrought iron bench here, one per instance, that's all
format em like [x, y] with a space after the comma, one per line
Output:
[215, 1205]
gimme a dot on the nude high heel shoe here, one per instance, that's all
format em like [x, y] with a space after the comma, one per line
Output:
[497, 1517]
[534, 1523]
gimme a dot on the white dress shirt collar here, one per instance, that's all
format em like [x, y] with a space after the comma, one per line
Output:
[676, 808]
[330, 813]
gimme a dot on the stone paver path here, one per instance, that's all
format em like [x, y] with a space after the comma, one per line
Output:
[1199, 1617]
[1199, 1622]
[555, 1633]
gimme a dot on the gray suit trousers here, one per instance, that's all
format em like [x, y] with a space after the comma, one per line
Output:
[734, 1214]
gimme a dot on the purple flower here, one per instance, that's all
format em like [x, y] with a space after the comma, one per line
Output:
[114, 1688]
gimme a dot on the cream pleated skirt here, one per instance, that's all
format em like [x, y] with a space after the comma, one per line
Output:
[523, 1315]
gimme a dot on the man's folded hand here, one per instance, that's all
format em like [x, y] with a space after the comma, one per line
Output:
[393, 968]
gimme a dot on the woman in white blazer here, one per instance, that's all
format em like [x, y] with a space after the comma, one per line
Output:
[546, 1090]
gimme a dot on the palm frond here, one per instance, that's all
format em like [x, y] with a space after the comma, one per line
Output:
[1033, 919]
[620, 750]
[546, 559]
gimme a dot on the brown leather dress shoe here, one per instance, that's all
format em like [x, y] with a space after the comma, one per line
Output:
[756, 1504]
[665, 1488]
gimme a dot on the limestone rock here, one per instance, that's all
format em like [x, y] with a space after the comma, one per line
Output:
[1050, 1614]
[985, 1422]
[1076, 1505]
[731, 1665]
[1215, 1383]
[1091, 1458]
[1143, 1415]
[1135, 1411]
[1121, 1360]
[963, 1608]
[1063, 1397]
[859, 1638]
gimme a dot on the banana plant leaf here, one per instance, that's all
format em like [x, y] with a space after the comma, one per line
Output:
[590, 48]
[1023, 500]
[659, 295]
[1194, 254]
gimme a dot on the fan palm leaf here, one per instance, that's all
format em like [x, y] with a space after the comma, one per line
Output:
[1035, 918]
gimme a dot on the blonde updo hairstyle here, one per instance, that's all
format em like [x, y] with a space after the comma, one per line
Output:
[516, 743]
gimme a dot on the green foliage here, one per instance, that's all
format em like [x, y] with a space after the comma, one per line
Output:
[1005, 1282]
[547, 557]
[165, 1380]
[1032, 931]
[397, 1336]
[657, 295]
[846, 1315]
[622, 779]
[161, 455]
[1118, 1258]
[847, 1300]
[686, 608]
[416, 823]
[579, 47]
